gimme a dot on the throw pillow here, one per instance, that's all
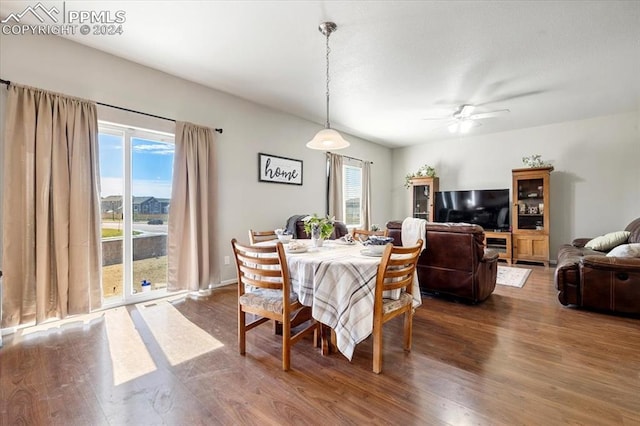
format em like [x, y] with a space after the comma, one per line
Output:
[626, 250]
[608, 241]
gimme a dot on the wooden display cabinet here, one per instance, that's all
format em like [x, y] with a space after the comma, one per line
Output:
[423, 193]
[530, 213]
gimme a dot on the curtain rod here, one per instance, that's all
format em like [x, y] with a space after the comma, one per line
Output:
[350, 158]
[7, 82]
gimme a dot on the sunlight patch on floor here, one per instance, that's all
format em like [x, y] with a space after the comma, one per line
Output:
[179, 338]
[53, 325]
[129, 356]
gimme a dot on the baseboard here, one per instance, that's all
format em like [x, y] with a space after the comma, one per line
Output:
[224, 283]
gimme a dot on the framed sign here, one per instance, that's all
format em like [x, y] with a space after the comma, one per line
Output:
[275, 169]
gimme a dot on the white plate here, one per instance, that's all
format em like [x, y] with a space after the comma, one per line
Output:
[296, 250]
[367, 252]
[344, 243]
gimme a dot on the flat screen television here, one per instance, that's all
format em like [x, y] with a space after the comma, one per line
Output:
[488, 208]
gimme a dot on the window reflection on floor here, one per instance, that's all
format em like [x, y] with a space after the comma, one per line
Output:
[179, 338]
[126, 331]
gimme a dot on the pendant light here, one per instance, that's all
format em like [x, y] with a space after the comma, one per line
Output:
[327, 138]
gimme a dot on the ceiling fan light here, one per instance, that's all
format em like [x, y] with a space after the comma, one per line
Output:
[465, 126]
[327, 139]
[453, 127]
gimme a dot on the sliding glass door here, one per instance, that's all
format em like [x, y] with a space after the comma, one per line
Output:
[136, 170]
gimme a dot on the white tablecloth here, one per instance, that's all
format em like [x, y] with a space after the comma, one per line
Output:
[338, 282]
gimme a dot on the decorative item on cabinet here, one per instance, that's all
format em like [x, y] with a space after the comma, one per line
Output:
[424, 171]
[535, 161]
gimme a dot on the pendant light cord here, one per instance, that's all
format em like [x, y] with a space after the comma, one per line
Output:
[328, 124]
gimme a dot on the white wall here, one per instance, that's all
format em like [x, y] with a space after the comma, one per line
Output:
[59, 65]
[595, 187]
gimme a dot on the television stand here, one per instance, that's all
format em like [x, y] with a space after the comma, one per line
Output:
[499, 241]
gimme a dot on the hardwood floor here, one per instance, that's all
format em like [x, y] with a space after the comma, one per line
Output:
[518, 358]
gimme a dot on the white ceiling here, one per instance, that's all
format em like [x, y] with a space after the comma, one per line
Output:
[392, 62]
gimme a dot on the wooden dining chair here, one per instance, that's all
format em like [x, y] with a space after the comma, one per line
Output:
[396, 271]
[259, 236]
[264, 271]
[363, 234]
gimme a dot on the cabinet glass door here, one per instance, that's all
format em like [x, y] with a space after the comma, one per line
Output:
[422, 201]
[530, 204]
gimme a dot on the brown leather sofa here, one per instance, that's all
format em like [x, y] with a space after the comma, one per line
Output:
[590, 279]
[455, 261]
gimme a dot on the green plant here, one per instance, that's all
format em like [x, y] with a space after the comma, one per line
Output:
[534, 160]
[111, 233]
[324, 225]
[424, 170]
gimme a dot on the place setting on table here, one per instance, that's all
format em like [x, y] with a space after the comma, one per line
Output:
[373, 246]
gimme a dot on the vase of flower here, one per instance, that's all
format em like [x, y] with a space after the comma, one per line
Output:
[318, 228]
[316, 239]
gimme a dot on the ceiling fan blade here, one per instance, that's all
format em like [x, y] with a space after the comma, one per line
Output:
[466, 110]
[436, 118]
[490, 114]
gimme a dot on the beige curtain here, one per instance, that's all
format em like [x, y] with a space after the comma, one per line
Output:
[335, 185]
[191, 240]
[51, 222]
[366, 194]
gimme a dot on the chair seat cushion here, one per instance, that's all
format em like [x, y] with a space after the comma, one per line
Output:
[390, 305]
[267, 299]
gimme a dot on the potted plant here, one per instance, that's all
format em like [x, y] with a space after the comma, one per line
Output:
[319, 228]
[535, 160]
[424, 170]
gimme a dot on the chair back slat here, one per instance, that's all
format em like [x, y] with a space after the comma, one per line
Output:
[262, 258]
[256, 237]
[260, 272]
[403, 283]
[271, 285]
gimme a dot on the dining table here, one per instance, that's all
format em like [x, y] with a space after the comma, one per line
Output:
[337, 280]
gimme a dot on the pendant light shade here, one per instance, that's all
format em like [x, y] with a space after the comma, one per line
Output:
[327, 138]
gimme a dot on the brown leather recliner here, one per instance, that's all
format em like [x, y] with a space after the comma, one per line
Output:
[590, 279]
[455, 261]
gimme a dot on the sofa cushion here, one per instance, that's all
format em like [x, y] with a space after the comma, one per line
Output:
[608, 241]
[625, 250]
[634, 228]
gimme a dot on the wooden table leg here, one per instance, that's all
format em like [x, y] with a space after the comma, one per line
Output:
[325, 337]
[328, 339]
[300, 316]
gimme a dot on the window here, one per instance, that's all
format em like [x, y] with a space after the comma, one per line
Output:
[136, 168]
[352, 195]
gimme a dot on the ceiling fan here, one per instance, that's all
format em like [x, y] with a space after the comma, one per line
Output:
[463, 119]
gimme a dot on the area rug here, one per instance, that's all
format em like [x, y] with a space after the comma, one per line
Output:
[513, 277]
